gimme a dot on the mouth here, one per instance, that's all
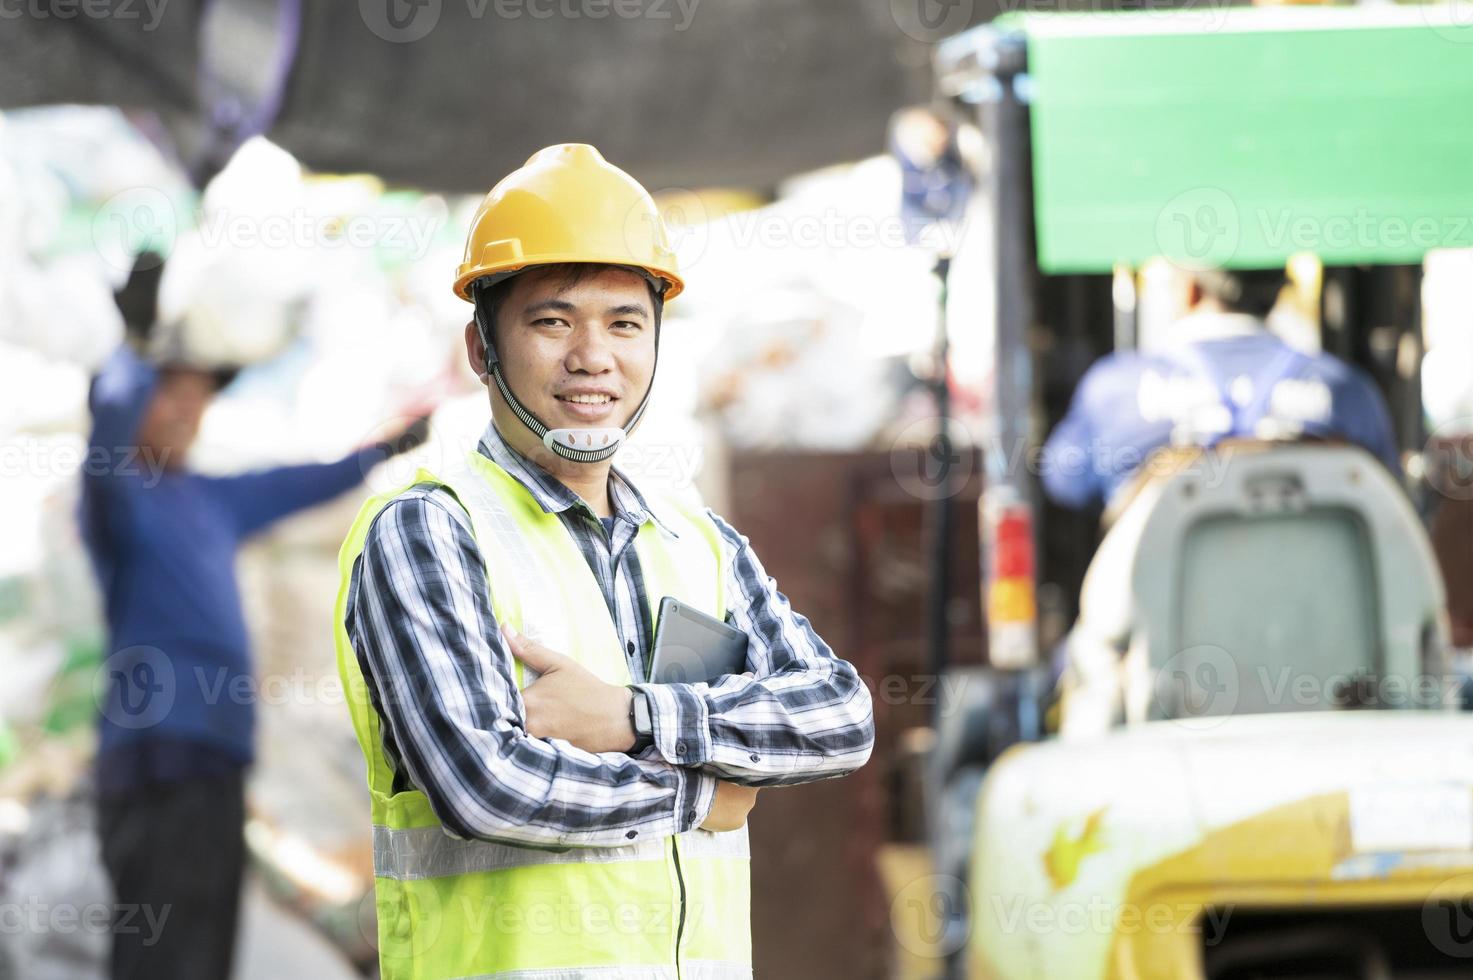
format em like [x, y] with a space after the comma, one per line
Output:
[587, 406]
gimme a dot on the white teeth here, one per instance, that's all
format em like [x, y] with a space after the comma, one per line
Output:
[588, 399]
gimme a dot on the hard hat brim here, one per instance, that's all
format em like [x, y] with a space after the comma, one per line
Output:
[468, 273]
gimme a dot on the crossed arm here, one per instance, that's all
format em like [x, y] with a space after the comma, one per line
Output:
[546, 767]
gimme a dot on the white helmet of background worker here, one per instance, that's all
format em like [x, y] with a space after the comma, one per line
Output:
[566, 205]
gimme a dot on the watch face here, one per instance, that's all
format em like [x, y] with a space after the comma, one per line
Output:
[642, 725]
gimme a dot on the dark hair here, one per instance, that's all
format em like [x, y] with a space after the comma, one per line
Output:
[490, 297]
[1250, 291]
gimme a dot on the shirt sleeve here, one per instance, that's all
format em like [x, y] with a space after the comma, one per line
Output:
[798, 714]
[1365, 419]
[444, 682]
[118, 399]
[1071, 475]
[261, 498]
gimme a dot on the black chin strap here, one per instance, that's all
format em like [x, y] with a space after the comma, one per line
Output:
[480, 290]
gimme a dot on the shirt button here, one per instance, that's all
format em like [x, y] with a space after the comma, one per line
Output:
[630, 647]
[631, 835]
[755, 757]
[690, 815]
[680, 748]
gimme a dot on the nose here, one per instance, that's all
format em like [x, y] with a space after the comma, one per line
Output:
[590, 352]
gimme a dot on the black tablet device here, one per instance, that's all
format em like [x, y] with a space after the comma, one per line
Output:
[692, 646]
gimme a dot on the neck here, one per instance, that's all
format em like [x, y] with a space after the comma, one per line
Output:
[589, 481]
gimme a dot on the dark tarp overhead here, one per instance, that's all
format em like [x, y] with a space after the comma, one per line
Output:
[450, 94]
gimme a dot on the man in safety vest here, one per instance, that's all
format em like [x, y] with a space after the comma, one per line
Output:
[1223, 375]
[590, 824]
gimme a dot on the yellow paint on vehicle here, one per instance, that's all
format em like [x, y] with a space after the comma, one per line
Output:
[1066, 853]
[1285, 857]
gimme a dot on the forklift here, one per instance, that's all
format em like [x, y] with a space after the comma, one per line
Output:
[1224, 741]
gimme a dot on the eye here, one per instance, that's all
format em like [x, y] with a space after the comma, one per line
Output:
[627, 325]
[550, 321]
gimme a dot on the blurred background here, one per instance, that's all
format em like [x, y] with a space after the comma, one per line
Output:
[908, 229]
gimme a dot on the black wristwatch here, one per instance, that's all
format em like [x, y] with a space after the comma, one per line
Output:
[639, 720]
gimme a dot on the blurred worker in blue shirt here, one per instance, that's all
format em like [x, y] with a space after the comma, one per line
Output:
[1222, 375]
[175, 732]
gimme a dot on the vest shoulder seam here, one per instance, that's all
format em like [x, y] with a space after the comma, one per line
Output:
[433, 494]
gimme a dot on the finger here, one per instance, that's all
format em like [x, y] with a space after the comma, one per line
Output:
[532, 653]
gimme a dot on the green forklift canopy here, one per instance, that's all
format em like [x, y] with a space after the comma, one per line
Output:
[1239, 136]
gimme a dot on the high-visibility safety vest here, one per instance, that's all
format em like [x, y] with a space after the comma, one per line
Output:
[677, 908]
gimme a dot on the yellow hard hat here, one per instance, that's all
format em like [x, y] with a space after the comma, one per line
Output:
[567, 204]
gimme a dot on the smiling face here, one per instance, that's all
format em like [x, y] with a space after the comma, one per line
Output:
[577, 346]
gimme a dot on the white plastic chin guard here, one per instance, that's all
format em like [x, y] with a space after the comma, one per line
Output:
[587, 440]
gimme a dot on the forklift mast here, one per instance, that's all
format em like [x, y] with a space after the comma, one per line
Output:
[1055, 264]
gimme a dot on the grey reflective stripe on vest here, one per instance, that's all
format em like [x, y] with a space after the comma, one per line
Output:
[715, 970]
[690, 970]
[701, 844]
[585, 973]
[428, 852]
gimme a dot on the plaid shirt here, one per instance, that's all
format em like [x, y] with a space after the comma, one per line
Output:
[420, 618]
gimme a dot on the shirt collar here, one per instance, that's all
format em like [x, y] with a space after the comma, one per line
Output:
[1208, 325]
[553, 497]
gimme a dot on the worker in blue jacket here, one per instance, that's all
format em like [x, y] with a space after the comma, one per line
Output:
[175, 730]
[1222, 375]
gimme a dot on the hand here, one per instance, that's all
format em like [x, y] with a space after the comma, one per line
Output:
[569, 702]
[732, 805]
[410, 436]
[138, 300]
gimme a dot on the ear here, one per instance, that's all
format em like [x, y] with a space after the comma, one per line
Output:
[475, 350]
[1194, 293]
